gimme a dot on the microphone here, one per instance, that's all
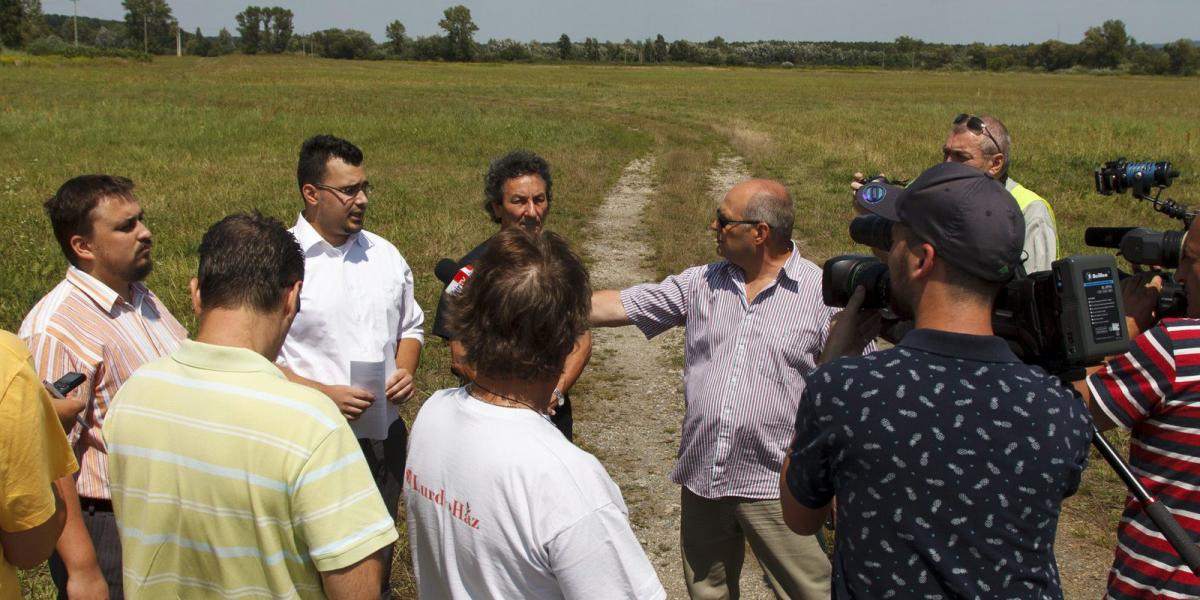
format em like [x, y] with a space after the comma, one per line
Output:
[1105, 237]
[445, 270]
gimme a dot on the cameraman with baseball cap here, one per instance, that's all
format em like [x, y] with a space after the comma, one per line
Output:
[948, 457]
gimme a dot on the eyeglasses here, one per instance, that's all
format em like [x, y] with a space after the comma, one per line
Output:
[349, 192]
[722, 222]
[977, 126]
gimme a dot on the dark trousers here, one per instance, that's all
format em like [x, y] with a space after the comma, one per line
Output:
[563, 420]
[102, 527]
[385, 458]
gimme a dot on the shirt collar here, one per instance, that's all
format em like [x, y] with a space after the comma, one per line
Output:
[308, 237]
[983, 348]
[212, 357]
[104, 296]
[790, 270]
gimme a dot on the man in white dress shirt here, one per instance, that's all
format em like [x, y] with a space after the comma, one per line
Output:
[358, 336]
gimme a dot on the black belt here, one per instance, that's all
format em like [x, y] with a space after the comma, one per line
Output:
[95, 505]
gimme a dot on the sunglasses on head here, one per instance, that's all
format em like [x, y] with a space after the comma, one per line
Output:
[976, 125]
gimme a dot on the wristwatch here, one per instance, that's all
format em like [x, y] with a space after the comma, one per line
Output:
[559, 398]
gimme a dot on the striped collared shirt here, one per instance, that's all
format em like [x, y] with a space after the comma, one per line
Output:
[1154, 390]
[744, 368]
[83, 325]
[229, 481]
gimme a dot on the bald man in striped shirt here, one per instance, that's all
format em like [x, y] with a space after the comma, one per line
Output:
[102, 321]
[755, 325]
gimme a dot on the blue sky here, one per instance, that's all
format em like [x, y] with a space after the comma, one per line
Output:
[995, 21]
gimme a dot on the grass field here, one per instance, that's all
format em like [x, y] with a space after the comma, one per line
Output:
[205, 137]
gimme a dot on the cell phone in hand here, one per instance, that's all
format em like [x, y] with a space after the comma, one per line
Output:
[68, 382]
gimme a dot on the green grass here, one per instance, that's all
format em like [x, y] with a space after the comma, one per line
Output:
[204, 137]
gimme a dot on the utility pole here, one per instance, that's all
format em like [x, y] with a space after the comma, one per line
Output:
[75, 21]
[178, 45]
[145, 35]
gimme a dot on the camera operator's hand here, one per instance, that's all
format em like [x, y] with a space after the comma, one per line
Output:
[1140, 293]
[852, 329]
[860, 180]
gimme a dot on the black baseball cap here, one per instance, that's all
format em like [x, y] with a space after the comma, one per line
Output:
[968, 217]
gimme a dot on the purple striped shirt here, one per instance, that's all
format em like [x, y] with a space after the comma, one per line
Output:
[744, 368]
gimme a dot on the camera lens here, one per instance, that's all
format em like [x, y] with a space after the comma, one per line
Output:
[872, 230]
[841, 275]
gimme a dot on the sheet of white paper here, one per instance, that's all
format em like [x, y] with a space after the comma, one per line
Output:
[373, 422]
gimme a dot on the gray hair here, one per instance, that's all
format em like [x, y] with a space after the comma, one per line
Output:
[1003, 139]
[774, 210]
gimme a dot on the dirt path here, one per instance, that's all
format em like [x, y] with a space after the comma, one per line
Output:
[632, 404]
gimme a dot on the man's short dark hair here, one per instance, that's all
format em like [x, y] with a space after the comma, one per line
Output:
[316, 152]
[523, 307]
[510, 166]
[248, 260]
[70, 208]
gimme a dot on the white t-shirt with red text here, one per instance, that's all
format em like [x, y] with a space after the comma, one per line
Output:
[501, 505]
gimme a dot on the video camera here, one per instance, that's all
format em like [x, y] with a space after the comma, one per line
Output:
[1140, 245]
[1062, 319]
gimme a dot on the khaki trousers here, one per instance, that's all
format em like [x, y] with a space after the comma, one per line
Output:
[713, 536]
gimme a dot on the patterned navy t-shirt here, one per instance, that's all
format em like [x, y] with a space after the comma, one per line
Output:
[949, 460]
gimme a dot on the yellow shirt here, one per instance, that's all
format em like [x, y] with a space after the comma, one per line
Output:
[229, 481]
[33, 451]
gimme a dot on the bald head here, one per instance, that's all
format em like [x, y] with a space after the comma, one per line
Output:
[769, 202]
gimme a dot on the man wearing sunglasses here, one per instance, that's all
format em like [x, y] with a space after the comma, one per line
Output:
[358, 335]
[754, 327]
[983, 142]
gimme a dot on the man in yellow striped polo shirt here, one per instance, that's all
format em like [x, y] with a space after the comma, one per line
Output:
[227, 479]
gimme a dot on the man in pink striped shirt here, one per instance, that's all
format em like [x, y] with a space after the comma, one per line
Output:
[755, 325]
[102, 321]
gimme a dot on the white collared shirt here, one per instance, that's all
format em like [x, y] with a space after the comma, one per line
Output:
[356, 305]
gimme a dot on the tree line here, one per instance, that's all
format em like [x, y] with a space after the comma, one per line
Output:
[149, 26]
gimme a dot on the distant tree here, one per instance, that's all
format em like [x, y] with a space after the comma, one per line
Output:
[566, 50]
[1053, 55]
[682, 51]
[1148, 60]
[460, 32]
[661, 51]
[199, 45]
[1106, 46]
[149, 25]
[224, 42]
[249, 25]
[33, 24]
[107, 38]
[591, 49]
[432, 47]
[396, 37]
[343, 43]
[12, 14]
[717, 43]
[1183, 57]
[280, 28]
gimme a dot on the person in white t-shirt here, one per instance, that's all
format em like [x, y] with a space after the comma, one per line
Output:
[500, 504]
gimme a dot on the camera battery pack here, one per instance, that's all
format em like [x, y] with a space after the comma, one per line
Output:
[1092, 316]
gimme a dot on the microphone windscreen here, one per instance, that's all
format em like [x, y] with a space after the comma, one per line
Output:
[445, 270]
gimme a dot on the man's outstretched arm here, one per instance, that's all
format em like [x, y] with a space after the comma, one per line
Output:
[607, 310]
